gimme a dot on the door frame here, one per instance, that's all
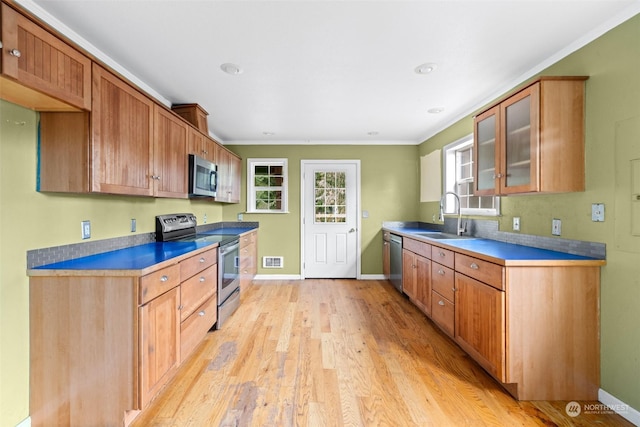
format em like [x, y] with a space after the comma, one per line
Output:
[303, 164]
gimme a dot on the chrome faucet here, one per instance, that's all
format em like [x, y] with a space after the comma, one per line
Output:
[460, 229]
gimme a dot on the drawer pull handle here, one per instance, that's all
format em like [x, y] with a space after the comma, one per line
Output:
[164, 278]
[202, 260]
[441, 272]
[442, 254]
[474, 266]
[202, 313]
[441, 302]
[202, 279]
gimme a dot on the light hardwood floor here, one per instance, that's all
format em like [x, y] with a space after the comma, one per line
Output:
[340, 353]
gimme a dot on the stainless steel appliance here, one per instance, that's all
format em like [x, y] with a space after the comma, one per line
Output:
[396, 262]
[203, 177]
[182, 228]
[228, 280]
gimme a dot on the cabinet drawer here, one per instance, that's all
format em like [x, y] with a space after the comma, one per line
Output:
[247, 239]
[487, 272]
[442, 256]
[417, 247]
[442, 280]
[442, 312]
[197, 263]
[196, 326]
[195, 290]
[155, 284]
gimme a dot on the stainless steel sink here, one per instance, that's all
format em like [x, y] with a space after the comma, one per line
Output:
[442, 236]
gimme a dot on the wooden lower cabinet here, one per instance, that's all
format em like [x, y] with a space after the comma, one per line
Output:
[416, 274]
[248, 257]
[532, 326]
[159, 343]
[480, 323]
[103, 344]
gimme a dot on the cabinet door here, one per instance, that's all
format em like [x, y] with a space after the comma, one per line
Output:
[409, 274]
[480, 323]
[159, 343]
[521, 139]
[122, 130]
[235, 172]
[170, 155]
[39, 60]
[386, 260]
[486, 151]
[423, 284]
[197, 143]
[223, 157]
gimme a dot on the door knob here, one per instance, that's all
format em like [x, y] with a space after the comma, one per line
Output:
[353, 230]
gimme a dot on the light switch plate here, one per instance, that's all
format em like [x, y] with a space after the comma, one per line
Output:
[597, 212]
[516, 223]
[86, 229]
[556, 227]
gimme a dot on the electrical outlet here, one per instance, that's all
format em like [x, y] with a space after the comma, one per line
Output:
[204, 219]
[556, 227]
[240, 216]
[516, 223]
[133, 225]
[86, 229]
[597, 212]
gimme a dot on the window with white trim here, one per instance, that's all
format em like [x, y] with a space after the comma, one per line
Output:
[267, 185]
[458, 177]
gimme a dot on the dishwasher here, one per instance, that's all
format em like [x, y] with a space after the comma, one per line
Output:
[396, 262]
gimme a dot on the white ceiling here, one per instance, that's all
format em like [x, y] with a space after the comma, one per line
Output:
[331, 71]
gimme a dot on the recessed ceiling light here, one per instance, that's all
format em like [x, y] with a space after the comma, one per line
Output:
[230, 68]
[268, 133]
[426, 68]
[436, 110]
[373, 133]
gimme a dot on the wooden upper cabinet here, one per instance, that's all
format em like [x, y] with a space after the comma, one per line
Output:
[201, 145]
[122, 137]
[229, 175]
[532, 141]
[170, 155]
[59, 75]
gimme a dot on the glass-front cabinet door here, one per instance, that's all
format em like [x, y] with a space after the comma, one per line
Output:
[521, 141]
[487, 151]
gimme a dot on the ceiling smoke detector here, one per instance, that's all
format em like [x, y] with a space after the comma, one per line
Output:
[230, 68]
[426, 68]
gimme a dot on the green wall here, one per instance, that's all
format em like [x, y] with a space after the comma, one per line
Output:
[389, 177]
[612, 63]
[31, 220]
[389, 192]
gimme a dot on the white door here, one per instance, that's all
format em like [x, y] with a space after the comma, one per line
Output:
[330, 198]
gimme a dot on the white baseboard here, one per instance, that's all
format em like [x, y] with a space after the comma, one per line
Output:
[619, 407]
[372, 277]
[25, 423]
[297, 277]
[277, 277]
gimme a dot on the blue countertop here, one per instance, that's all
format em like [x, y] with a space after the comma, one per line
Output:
[501, 252]
[142, 256]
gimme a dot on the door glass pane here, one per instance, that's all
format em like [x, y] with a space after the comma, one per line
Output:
[330, 192]
[486, 137]
[518, 142]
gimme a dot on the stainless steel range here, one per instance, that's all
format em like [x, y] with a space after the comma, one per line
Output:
[182, 228]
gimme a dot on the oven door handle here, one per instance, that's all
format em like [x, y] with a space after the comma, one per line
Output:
[229, 247]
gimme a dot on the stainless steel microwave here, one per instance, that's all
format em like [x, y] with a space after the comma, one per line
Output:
[203, 177]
